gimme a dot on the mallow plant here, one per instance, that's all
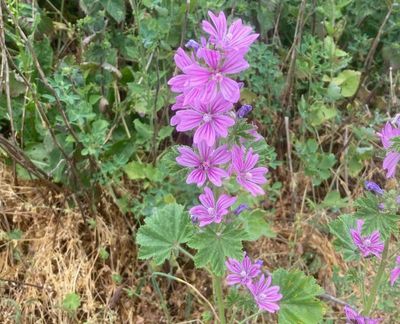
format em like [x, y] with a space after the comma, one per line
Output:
[227, 164]
[368, 238]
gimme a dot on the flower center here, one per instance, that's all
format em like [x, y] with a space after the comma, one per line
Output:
[229, 37]
[211, 211]
[367, 242]
[205, 165]
[218, 76]
[248, 176]
[243, 273]
[207, 118]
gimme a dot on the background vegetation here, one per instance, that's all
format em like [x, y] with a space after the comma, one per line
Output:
[84, 138]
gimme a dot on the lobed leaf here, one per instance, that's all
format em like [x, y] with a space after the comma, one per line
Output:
[383, 221]
[299, 304]
[343, 242]
[214, 246]
[163, 232]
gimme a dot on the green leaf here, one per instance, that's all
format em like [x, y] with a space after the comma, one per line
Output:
[343, 242]
[320, 113]
[71, 302]
[169, 166]
[136, 170]
[143, 130]
[255, 225]
[333, 200]
[214, 246]
[115, 8]
[15, 234]
[299, 304]
[348, 81]
[383, 221]
[163, 232]
[165, 132]
[266, 152]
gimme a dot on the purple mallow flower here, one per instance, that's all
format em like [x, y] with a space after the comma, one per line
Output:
[239, 209]
[247, 175]
[265, 295]
[244, 111]
[211, 211]
[374, 187]
[204, 82]
[242, 272]
[204, 163]
[237, 37]
[210, 120]
[392, 157]
[353, 317]
[395, 273]
[370, 244]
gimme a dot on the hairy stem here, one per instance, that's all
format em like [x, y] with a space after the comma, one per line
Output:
[217, 283]
[374, 290]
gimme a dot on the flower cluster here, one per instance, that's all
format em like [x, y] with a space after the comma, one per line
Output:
[353, 317]
[207, 92]
[244, 273]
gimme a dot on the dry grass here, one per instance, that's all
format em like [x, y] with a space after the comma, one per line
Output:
[58, 255]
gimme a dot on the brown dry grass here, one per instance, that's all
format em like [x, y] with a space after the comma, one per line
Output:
[58, 255]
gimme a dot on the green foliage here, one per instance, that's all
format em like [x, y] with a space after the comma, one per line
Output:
[347, 81]
[255, 225]
[343, 242]
[334, 201]
[71, 302]
[299, 303]
[103, 253]
[214, 244]
[136, 170]
[163, 233]
[375, 219]
[316, 164]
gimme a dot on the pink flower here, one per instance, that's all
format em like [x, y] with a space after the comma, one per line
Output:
[392, 158]
[264, 295]
[243, 272]
[247, 175]
[210, 120]
[178, 105]
[370, 244]
[237, 37]
[182, 60]
[204, 163]
[352, 317]
[203, 82]
[210, 211]
[395, 273]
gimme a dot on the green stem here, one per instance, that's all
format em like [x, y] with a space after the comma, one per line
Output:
[374, 290]
[250, 317]
[217, 283]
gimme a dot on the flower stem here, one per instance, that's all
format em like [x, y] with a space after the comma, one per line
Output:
[217, 283]
[374, 290]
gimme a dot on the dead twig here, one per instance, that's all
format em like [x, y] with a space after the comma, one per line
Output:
[286, 97]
